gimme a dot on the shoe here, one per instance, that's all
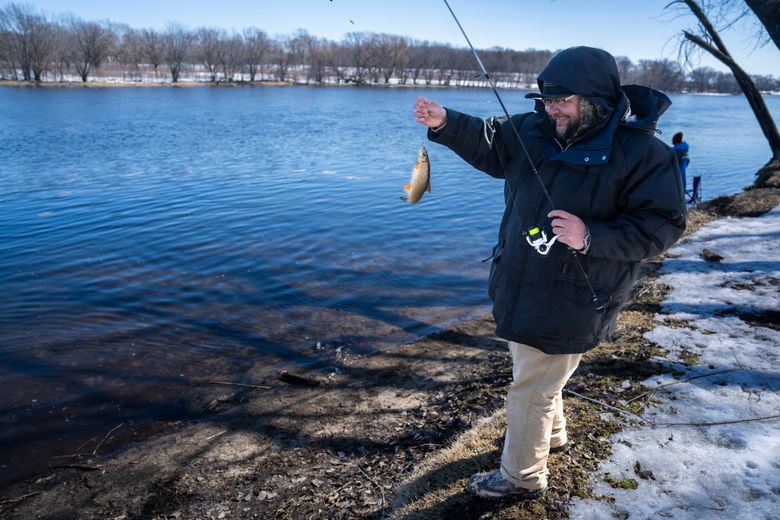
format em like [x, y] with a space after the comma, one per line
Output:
[558, 449]
[492, 485]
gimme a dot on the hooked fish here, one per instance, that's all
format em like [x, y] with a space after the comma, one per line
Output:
[421, 178]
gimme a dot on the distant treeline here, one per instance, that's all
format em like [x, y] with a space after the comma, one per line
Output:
[36, 47]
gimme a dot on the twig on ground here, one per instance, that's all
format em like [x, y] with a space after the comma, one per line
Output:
[350, 481]
[82, 467]
[99, 444]
[664, 425]
[295, 379]
[735, 421]
[427, 445]
[257, 387]
[679, 382]
[215, 435]
[14, 500]
[607, 406]
[76, 452]
[382, 505]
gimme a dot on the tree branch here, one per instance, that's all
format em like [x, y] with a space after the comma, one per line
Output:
[707, 25]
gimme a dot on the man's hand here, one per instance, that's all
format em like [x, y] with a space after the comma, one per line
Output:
[571, 230]
[429, 113]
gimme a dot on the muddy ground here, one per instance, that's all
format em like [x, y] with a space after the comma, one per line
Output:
[342, 444]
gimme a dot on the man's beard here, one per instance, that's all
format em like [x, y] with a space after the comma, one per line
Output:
[567, 132]
[566, 129]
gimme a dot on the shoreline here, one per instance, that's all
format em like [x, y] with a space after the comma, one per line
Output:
[222, 84]
[276, 83]
[346, 446]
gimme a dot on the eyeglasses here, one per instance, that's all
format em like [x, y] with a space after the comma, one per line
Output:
[559, 101]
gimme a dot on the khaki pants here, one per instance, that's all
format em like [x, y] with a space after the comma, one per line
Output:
[534, 413]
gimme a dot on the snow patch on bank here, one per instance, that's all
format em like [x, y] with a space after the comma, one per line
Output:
[718, 314]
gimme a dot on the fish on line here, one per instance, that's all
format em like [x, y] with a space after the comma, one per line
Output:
[421, 178]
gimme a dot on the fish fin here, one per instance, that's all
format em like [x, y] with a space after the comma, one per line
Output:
[408, 187]
[404, 199]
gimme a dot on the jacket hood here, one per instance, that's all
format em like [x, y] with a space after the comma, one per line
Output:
[638, 107]
[586, 71]
[646, 105]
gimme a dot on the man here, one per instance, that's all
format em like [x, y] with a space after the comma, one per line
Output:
[617, 199]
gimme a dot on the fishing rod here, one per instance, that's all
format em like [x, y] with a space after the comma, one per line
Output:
[546, 192]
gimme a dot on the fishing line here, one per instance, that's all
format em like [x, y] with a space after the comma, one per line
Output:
[594, 297]
[345, 16]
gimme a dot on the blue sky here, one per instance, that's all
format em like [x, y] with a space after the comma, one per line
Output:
[639, 29]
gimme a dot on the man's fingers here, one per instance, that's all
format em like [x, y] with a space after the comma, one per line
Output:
[559, 213]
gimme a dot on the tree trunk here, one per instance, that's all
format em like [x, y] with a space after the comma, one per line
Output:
[755, 100]
[718, 49]
[768, 12]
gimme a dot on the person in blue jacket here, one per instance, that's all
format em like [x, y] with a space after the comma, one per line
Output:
[680, 148]
[567, 255]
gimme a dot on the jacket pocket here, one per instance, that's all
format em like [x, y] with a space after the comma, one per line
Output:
[580, 317]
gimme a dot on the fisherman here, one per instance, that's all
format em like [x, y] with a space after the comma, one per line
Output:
[680, 149]
[617, 200]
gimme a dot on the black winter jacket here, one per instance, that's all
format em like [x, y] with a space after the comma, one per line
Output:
[623, 182]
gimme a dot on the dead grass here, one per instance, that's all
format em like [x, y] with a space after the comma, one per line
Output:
[749, 203]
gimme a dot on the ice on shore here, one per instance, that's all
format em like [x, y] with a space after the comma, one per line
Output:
[728, 309]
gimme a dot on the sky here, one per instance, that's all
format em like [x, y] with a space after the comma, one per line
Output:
[725, 471]
[638, 29]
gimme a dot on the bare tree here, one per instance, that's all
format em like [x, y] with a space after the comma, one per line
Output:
[357, 45]
[91, 44]
[702, 79]
[6, 65]
[373, 63]
[280, 52]
[30, 40]
[317, 56]
[233, 57]
[13, 25]
[153, 48]
[337, 60]
[766, 83]
[63, 57]
[624, 66]
[664, 74]
[707, 38]
[43, 46]
[725, 83]
[388, 52]
[178, 42]
[419, 59]
[129, 51]
[257, 46]
[210, 49]
[299, 46]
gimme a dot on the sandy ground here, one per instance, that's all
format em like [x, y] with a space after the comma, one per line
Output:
[337, 449]
[359, 444]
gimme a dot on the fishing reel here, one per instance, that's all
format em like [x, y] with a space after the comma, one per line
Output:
[537, 239]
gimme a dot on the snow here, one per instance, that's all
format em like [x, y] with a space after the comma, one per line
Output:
[724, 471]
